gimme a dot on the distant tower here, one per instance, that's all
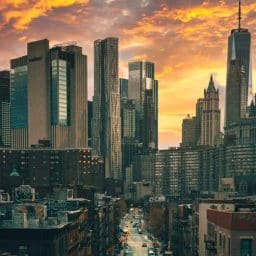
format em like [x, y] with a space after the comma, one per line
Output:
[239, 48]
[143, 89]
[89, 123]
[123, 88]
[5, 129]
[199, 113]
[188, 132]
[236, 92]
[48, 96]
[106, 133]
[129, 144]
[210, 124]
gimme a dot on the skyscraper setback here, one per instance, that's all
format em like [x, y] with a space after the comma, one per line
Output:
[106, 106]
[49, 96]
[143, 89]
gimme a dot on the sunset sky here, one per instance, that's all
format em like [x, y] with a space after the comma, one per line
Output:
[186, 39]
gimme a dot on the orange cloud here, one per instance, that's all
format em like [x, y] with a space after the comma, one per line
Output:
[187, 45]
[23, 12]
[186, 42]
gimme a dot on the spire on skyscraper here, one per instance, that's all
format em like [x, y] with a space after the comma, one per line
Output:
[239, 15]
[211, 87]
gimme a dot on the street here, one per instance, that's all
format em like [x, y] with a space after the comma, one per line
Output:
[137, 243]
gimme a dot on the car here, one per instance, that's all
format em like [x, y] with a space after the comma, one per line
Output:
[144, 244]
[126, 253]
[156, 244]
[140, 231]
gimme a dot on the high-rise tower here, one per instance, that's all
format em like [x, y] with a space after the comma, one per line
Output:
[239, 48]
[210, 122]
[49, 96]
[123, 88]
[236, 92]
[143, 89]
[5, 130]
[188, 132]
[106, 106]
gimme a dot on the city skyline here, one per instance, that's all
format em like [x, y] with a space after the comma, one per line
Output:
[177, 24]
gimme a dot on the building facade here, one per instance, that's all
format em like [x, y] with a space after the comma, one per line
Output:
[45, 168]
[189, 132]
[106, 106]
[231, 232]
[58, 102]
[236, 92]
[90, 113]
[5, 122]
[210, 121]
[123, 88]
[143, 89]
[130, 146]
[239, 48]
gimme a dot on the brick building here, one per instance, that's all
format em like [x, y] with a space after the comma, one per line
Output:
[45, 167]
[231, 232]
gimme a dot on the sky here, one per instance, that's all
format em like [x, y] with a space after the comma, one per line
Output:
[186, 39]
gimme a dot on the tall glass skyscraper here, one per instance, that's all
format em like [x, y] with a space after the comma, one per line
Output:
[5, 130]
[49, 96]
[123, 88]
[239, 48]
[19, 102]
[143, 89]
[106, 106]
[236, 92]
[59, 97]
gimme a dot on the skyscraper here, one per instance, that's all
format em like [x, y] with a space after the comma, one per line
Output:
[130, 146]
[69, 96]
[5, 130]
[199, 113]
[236, 92]
[210, 123]
[89, 123]
[143, 89]
[239, 48]
[240, 122]
[188, 132]
[106, 106]
[123, 88]
[19, 102]
[49, 96]
[128, 118]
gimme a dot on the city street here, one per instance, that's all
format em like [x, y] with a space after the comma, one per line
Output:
[138, 244]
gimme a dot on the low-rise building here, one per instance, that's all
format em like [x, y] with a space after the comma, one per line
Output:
[231, 232]
[46, 167]
[57, 225]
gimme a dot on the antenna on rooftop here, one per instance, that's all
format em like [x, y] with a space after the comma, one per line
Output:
[239, 16]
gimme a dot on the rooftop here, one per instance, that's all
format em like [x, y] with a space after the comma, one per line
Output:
[245, 220]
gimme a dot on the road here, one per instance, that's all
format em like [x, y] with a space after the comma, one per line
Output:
[135, 240]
